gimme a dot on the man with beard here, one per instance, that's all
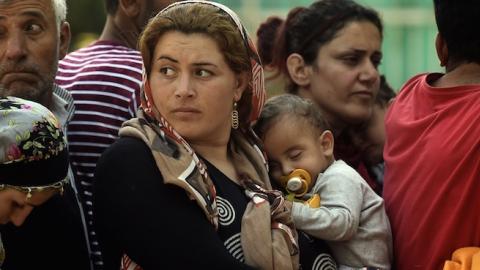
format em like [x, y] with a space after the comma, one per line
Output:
[34, 35]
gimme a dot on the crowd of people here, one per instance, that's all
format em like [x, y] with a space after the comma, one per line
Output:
[157, 147]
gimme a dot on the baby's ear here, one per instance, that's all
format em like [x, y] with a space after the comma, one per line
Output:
[326, 141]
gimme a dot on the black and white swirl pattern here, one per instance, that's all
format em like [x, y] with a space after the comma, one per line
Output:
[324, 262]
[226, 213]
[234, 247]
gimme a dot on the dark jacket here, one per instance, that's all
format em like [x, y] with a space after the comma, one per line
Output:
[52, 237]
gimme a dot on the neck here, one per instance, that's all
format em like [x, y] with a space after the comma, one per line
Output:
[217, 155]
[210, 152]
[305, 93]
[337, 125]
[122, 33]
[46, 99]
[463, 74]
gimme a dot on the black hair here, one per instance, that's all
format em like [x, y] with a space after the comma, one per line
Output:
[457, 24]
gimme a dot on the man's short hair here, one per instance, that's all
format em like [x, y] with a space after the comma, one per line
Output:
[60, 8]
[457, 23]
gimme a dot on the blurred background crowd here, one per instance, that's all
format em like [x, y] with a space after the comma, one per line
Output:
[408, 24]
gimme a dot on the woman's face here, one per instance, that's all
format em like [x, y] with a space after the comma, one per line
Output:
[193, 87]
[15, 206]
[344, 79]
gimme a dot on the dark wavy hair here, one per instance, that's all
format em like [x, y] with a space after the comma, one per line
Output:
[265, 34]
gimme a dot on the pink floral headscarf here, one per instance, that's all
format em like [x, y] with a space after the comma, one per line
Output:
[33, 149]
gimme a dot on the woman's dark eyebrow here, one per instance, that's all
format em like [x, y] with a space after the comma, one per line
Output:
[164, 57]
[204, 64]
[168, 58]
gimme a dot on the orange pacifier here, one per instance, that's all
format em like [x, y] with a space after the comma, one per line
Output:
[297, 182]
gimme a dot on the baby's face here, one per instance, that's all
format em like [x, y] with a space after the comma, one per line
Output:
[294, 145]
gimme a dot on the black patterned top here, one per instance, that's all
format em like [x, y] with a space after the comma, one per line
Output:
[134, 191]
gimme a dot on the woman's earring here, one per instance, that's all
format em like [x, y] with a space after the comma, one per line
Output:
[235, 121]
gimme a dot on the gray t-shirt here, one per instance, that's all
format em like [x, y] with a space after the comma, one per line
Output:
[351, 218]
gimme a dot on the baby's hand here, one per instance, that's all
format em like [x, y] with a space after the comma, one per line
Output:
[314, 201]
[288, 205]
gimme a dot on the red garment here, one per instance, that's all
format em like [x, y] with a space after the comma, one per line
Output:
[432, 173]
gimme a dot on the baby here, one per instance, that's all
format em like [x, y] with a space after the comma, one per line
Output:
[351, 217]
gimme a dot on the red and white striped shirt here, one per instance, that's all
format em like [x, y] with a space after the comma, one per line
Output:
[104, 80]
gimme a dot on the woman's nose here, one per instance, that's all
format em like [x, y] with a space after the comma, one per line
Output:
[369, 72]
[184, 87]
[19, 215]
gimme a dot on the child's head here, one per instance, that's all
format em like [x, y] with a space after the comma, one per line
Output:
[295, 136]
[33, 158]
[369, 138]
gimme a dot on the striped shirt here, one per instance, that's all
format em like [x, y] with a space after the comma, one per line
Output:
[104, 80]
[63, 108]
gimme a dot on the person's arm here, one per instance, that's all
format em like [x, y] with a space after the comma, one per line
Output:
[338, 217]
[156, 224]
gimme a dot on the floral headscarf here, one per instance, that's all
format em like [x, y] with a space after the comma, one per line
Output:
[33, 149]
